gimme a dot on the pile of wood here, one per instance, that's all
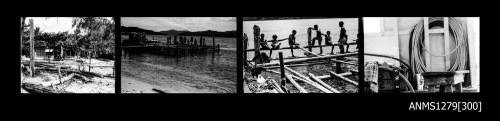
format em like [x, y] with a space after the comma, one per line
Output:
[62, 74]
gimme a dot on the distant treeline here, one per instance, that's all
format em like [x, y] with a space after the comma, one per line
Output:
[210, 33]
[278, 18]
[137, 29]
[182, 32]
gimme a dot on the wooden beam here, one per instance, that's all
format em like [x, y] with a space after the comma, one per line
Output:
[315, 46]
[296, 77]
[473, 54]
[245, 46]
[329, 76]
[308, 80]
[37, 88]
[295, 65]
[277, 87]
[307, 59]
[294, 83]
[311, 63]
[308, 51]
[323, 83]
[446, 32]
[256, 45]
[344, 78]
[344, 62]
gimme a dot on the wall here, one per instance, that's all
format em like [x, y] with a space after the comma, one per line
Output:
[384, 42]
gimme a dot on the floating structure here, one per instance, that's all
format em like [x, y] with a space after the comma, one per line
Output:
[139, 41]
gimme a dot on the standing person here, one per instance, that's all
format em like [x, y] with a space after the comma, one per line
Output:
[201, 41]
[175, 40]
[342, 37]
[318, 37]
[203, 38]
[191, 41]
[182, 40]
[168, 39]
[328, 40]
[291, 41]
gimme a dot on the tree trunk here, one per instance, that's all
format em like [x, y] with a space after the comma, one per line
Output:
[32, 51]
[62, 52]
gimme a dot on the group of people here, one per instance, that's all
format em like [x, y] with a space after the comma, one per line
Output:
[328, 39]
[185, 41]
[275, 42]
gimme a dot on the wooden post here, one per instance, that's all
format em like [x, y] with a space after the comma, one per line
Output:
[282, 69]
[213, 41]
[256, 45]
[338, 67]
[32, 47]
[245, 47]
[309, 39]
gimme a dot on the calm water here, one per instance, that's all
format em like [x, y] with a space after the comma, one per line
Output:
[219, 65]
[226, 43]
[283, 28]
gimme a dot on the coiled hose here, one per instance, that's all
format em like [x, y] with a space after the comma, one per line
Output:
[457, 30]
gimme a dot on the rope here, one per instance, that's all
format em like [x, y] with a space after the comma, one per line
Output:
[458, 32]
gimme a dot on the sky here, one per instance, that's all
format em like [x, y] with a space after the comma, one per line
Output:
[181, 23]
[52, 24]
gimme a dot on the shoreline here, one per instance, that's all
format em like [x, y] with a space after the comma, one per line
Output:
[142, 77]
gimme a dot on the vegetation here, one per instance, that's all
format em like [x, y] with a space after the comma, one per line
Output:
[208, 33]
[92, 36]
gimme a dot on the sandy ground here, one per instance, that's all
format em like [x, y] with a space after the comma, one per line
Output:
[131, 85]
[143, 77]
[96, 85]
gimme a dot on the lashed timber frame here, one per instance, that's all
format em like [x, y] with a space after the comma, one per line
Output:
[293, 76]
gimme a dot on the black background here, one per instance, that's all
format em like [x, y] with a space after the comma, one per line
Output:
[247, 106]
